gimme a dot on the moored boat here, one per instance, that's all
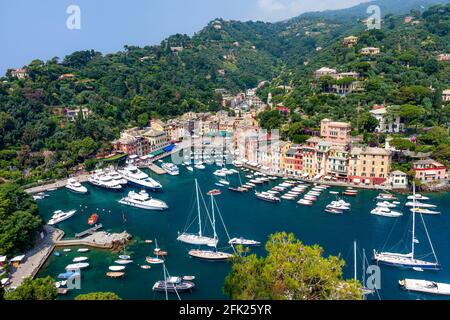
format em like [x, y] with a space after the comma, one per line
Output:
[117, 268]
[424, 286]
[93, 219]
[139, 178]
[143, 200]
[210, 255]
[267, 197]
[74, 186]
[244, 242]
[60, 216]
[115, 275]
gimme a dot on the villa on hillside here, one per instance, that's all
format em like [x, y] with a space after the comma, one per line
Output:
[386, 124]
[370, 51]
[350, 41]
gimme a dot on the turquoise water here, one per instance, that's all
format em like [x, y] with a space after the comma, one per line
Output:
[244, 216]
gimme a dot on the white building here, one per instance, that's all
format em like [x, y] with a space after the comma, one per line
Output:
[386, 125]
[399, 180]
[446, 95]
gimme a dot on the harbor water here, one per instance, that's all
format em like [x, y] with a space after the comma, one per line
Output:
[244, 216]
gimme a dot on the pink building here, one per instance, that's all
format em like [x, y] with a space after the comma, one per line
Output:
[429, 170]
[336, 132]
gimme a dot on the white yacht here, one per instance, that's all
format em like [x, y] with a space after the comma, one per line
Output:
[74, 186]
[244, 242]
[139, 178]
[425, 286]
[386, 204]
[170, 168]
[420, 205]
[117, 177]
[425, 211]
[200, 166]
[339, 205]
[60, 216]
[142, 200]
[418, 197]
[105, 181]
[386, 212]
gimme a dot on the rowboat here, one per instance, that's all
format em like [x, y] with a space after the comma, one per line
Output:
[117, 268]
[115, 275]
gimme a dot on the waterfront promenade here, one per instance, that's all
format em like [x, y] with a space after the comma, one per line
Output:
[56, 185]
[36, 257]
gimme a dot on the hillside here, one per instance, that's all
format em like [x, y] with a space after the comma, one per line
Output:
[388, 7]
[179, 75]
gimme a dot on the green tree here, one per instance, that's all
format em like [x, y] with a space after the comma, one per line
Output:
[98, 296]
[37, 289]
[290, 271]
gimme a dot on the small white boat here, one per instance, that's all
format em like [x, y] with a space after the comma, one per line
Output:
[189, 168]
[285, 197]
[82, 250]
[224, 182]
[425, 286]
[418, 197]
[386, 212]
[80, 259]
[420, 205]
[386, 204]
[334, 192]
[123, 262]
[124, 257]
[305, 202]
[425, 211]
[154, 260]
[77, 266]
[189, 278]
[117, 268]
[67, 250]
[244, 242]
[200, 166]
[386, 196]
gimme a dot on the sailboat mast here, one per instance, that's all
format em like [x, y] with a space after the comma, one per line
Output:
[165, 281]
[354, 256]
[414, 220]
[198, 210]
[364, 269]
[213, 217]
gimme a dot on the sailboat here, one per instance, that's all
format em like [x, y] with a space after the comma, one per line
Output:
[212, 255]
[365, 291]
[197, 239]
[409, 260]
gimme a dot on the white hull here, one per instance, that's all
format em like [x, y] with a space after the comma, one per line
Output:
[63, 217]
[157, 206]
[195, 239]
[210, 255]
[404, 261]
[80, 190]
[426, 287]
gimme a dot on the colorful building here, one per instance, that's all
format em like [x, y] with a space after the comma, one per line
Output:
[430, 171]
[370, 166]
[336, 132]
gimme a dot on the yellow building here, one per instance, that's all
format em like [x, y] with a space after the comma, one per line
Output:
[369, 165]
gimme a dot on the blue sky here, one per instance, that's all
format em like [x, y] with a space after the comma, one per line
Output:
[37, 29]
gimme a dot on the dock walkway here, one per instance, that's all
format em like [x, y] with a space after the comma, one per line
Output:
[153, 167]
[89, 231]
[55, 185]
[35, 258]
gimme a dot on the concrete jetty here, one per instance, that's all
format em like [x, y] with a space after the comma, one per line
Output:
[153, 167]
[101, 240]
